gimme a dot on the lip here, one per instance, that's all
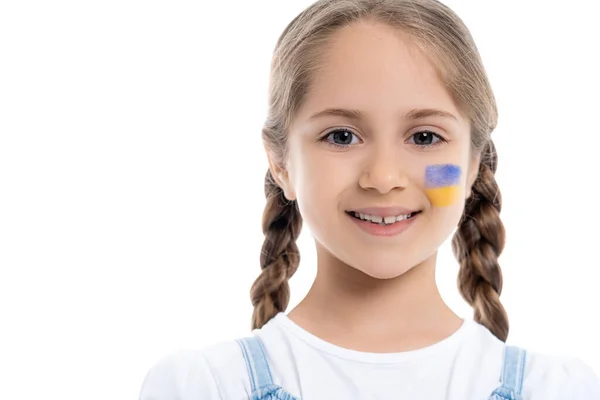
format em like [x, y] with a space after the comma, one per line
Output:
[384, 211]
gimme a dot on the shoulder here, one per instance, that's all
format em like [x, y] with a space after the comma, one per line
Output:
[551, 377]
[218, 371]
[210, 373]
[546, 377]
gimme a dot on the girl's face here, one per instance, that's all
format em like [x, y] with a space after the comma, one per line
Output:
[378, 135]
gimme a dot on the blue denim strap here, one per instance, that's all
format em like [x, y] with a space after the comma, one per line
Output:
[256, 362]
[513, 369]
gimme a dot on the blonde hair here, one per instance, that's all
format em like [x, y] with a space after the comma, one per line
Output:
[443, 37]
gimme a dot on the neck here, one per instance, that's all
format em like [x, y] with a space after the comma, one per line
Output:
[350, 309]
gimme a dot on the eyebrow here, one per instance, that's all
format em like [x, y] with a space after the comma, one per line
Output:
[414, 114]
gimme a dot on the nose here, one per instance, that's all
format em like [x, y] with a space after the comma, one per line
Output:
[384, 171]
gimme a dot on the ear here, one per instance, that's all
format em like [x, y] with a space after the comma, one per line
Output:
[472, 174]
[281, 176]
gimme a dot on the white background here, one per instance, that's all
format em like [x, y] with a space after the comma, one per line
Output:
[131, 174]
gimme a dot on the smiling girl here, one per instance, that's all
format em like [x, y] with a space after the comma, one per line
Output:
[378, 139]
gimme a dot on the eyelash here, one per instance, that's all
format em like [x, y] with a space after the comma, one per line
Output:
[440, 141]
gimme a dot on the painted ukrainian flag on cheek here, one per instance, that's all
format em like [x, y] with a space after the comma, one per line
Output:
[442, 184]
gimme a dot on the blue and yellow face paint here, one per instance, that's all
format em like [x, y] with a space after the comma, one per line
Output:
[442, 184]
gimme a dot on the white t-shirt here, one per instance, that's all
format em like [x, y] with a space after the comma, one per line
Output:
[467, 365]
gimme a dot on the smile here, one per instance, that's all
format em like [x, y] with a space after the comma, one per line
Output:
[381, 220]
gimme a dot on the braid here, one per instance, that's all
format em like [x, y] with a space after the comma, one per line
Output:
[477, 245]
[279, 257]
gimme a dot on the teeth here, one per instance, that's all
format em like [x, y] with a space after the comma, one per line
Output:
[388, 220]
[376, 218]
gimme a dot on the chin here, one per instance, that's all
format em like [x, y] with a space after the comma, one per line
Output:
[382, 269]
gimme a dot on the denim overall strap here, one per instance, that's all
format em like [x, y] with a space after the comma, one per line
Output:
[513, 369]
[256, 362]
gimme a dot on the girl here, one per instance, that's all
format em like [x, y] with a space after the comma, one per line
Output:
[378, 137]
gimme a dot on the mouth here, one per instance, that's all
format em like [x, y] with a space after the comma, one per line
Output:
[382, 220]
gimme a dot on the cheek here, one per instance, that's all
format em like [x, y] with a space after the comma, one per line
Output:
[318, 182]
[318, 201]
[445, 188]
[444, 184]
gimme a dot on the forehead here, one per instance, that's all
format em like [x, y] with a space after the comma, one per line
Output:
[377, 69]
